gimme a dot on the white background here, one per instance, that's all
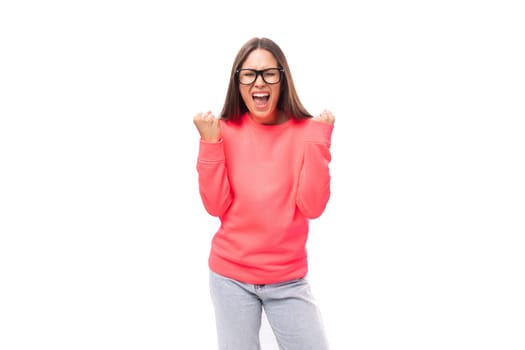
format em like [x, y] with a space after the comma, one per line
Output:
[103, 238]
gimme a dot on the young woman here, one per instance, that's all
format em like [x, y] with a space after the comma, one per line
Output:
[263, 168]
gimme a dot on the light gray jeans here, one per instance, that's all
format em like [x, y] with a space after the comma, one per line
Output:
[289, 306]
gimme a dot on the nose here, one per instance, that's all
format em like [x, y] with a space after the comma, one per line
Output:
[259, 80]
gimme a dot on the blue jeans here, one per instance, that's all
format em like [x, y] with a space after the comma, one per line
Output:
[289, 306]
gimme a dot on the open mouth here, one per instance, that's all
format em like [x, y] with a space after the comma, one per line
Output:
[260, 99]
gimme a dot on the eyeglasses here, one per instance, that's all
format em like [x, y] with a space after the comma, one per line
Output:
[249, 76]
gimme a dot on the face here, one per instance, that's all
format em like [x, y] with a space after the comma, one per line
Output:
[260, 97]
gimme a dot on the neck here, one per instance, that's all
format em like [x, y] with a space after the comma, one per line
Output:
[278, 118]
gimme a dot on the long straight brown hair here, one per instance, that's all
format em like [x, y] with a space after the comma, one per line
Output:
[289, 102]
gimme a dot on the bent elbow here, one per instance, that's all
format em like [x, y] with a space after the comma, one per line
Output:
[312, 211]
[217, 209]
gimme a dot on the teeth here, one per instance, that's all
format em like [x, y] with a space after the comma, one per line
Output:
[260, 95]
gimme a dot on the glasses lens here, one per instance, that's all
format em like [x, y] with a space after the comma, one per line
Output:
[272, 76]
[247, 76]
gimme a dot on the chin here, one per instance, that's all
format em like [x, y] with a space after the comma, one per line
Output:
[262, 114]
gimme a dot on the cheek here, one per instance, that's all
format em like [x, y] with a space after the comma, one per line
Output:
[276, 93]
[245, 95]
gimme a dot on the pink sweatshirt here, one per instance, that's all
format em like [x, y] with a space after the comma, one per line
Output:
[264, 182]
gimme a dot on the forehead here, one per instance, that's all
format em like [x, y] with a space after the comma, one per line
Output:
[260, 59]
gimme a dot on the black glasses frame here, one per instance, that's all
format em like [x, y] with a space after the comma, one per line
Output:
[257, 73]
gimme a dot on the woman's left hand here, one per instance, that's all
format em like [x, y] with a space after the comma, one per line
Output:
[325, 117]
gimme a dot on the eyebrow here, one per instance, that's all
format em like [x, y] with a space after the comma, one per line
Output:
[259, 69]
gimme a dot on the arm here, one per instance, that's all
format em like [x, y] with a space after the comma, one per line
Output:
[214, 186]
[314, 180]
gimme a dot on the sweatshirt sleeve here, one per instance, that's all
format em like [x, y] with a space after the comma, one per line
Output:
[214, 186]
[314, 180]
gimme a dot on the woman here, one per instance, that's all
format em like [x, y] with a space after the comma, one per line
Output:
[263, 168]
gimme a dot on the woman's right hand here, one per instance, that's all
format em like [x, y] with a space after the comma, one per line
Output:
[208, 126]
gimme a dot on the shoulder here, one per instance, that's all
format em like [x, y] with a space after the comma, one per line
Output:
[300, 124]
[231, 129]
